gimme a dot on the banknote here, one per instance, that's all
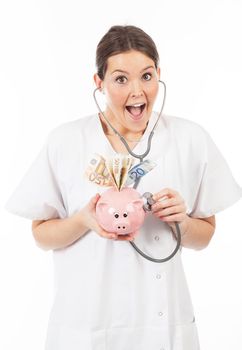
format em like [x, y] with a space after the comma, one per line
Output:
[116, 171]
[118, 167]
[109, 168]
[97, 171]
[128, 161]
[139, 170]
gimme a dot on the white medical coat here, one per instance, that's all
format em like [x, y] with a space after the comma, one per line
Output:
[108, 297]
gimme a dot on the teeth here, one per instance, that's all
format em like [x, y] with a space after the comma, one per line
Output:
[137, 105]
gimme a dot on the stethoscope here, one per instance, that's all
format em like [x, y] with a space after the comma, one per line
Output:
[146, 195]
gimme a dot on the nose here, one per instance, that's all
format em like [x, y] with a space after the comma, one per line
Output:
[122, 228]
[136, 90]
[135, 95]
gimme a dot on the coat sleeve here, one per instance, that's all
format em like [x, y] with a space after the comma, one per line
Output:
[217, 189]
[38, 195]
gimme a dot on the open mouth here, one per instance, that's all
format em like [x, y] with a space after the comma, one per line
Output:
[136, 110]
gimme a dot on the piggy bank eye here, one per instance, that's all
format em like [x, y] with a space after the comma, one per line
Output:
[125, 215]
[116, 215]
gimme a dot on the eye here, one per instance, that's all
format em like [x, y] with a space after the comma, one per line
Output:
[125, 215]
[116, 215]
[121, 79]
[147, 76]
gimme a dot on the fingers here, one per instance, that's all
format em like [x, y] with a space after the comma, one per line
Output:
[93, 201]
[176, 209]
[165, 193]
[166, 203]
[115, 236]
[105, 234]
[179, 217]
[128, 237]
[169, 206]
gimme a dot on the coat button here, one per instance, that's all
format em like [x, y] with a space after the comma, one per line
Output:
[160, 313]
[158, 276]
[157, 238]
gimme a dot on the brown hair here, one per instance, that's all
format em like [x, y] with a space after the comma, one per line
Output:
[121, 39]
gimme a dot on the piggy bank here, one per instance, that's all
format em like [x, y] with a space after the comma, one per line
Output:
[120, 211]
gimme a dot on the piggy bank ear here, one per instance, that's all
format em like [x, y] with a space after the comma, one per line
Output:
[101, 206]
[105, 207]
[136, 204]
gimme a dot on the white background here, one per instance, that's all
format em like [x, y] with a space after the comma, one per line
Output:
[47, 61]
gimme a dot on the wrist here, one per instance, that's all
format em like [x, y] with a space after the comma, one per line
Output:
[78, 220]
[184, 225]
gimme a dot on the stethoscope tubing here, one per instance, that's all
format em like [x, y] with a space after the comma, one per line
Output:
[141, 158]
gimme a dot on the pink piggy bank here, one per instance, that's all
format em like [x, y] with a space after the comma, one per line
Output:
[120, 211]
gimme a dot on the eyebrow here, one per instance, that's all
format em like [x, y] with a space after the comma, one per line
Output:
[123, 71]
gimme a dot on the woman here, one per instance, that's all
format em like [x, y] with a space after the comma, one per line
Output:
[107, 296]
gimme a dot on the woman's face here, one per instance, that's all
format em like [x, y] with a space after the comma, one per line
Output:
[130, 86]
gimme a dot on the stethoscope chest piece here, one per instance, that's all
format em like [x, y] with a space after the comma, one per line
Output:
[148, 201]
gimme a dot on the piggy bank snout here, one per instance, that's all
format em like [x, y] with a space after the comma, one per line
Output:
[122, 227]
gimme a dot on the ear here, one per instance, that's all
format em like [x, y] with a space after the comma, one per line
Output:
[98, 81]
[136, 204]
[158, 72]
[101, 206]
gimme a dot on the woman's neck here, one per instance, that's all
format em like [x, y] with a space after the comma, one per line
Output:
[132, 137]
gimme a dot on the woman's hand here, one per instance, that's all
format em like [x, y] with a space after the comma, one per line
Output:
[170, 207]
[89, 220]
